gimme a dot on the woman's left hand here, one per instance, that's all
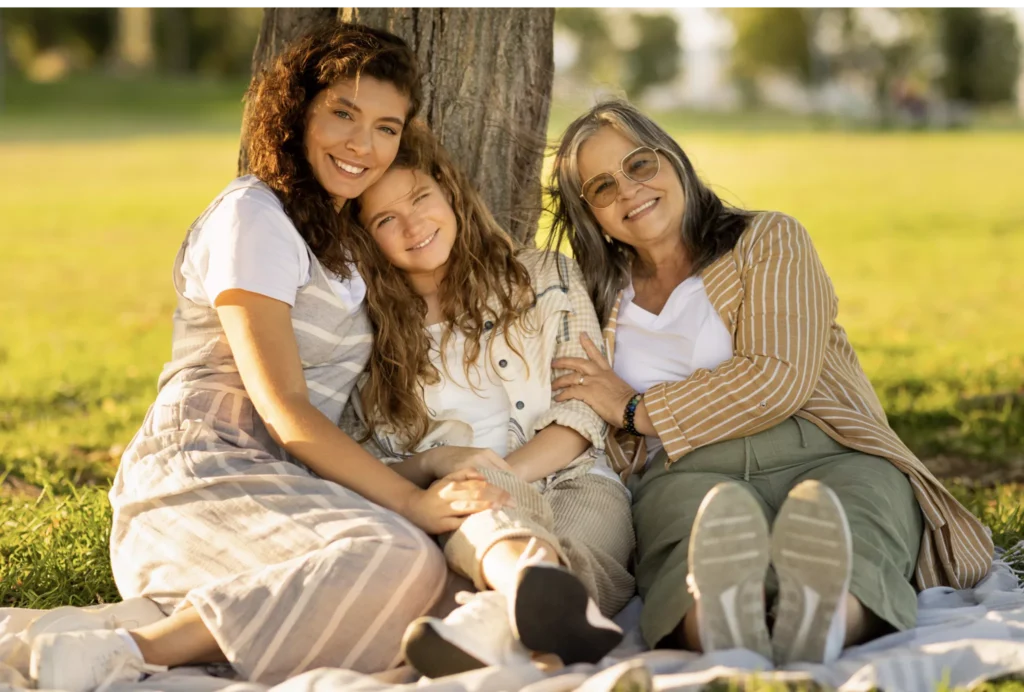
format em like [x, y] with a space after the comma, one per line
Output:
[593, 382]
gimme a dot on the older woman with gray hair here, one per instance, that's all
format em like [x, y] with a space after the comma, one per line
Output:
[775, 508]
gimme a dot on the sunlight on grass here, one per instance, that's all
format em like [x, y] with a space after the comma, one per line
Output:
[922, 235]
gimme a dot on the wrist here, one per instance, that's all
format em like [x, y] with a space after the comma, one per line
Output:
[629, 414]
[407, 502]
[428, 465]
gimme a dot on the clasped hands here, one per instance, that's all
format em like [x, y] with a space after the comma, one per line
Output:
[460, 489]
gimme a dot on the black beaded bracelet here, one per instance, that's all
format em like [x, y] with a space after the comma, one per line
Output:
[630, 414]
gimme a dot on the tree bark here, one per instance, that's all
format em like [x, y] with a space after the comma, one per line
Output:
[487, 89]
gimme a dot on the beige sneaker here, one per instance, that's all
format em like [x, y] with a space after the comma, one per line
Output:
[813, 552]
[728, 559]
[85, 661]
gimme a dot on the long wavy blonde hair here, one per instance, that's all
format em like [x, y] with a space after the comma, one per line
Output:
[485, 288]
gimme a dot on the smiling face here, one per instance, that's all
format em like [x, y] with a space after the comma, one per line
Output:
[352, 134]
[410, 219]
[642, 214]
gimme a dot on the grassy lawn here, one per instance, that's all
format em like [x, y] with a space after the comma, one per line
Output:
[922, 234]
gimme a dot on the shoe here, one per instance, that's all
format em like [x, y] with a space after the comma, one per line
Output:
[728, 559]
[129, 614]
[85, 660]
[476, 635]
[553, 613]
[813, 554]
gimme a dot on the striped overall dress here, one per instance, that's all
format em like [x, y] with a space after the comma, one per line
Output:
[288, 571]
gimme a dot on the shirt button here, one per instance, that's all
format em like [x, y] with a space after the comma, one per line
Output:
[502, 363]
[488, 324]
[520, 405]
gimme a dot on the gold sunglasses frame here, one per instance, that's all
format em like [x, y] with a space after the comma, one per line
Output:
[621, 170]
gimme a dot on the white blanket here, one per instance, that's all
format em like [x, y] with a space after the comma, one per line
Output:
[962, 638]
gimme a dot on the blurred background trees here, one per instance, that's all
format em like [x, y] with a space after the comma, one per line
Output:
[883, 67]
[910, 62]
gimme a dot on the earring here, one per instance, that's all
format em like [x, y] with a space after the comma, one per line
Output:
[607, 239]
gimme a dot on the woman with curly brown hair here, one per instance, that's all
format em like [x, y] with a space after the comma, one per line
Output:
[270, 537]
[465, 327]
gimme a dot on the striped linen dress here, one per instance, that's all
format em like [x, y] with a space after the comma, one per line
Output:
[791, 357]
[288, 571]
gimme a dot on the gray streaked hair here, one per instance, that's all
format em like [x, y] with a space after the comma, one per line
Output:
[710, 227]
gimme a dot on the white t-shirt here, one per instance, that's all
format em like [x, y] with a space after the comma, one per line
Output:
[485, 409]
[248, 242]
[688, 335]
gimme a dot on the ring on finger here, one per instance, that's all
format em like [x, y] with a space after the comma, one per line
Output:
[580, 382]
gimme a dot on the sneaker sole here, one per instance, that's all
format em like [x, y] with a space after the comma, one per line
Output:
[728, 559]
[432, 655]
[812, 552]
[551, 617]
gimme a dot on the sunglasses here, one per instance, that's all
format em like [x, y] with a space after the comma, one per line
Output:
[639, 165]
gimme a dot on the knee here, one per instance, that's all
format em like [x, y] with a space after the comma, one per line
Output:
[875, 485]
[412, 549]
[394, 547]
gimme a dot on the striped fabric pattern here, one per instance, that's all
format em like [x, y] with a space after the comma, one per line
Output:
[288, 571]
[791, 357]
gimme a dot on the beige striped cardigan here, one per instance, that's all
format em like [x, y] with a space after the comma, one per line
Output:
[791, 357]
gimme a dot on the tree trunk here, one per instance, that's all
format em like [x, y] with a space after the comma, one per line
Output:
[487, 89]
[133, 49]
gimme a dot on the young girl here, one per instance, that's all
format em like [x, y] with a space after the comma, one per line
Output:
[460, 378]
[272, 540]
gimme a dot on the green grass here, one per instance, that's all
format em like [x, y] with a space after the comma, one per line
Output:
[922, 234]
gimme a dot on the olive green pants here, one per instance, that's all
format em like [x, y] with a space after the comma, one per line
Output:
[884, 516]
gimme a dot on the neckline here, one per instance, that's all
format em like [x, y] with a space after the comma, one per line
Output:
[695, 284]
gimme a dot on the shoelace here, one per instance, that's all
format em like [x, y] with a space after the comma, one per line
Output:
[125, 664]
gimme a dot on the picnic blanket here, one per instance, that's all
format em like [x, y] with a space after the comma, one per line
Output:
[962, 638]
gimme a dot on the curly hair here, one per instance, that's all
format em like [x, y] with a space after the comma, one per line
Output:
[485, 288]
[277, 103]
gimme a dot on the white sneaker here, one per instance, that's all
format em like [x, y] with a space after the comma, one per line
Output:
[476, 635]
[728, 558]
[129, 614]
[84, 661]
[553, 613]
[813, 555]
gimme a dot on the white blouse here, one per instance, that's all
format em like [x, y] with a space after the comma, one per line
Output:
[485, 405]
[687, 335]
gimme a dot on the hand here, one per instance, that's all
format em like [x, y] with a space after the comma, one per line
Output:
[441, 461]
[447, 502]
[602, 390]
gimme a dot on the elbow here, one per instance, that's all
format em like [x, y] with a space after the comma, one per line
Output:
[279, 415]
[790, 390]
